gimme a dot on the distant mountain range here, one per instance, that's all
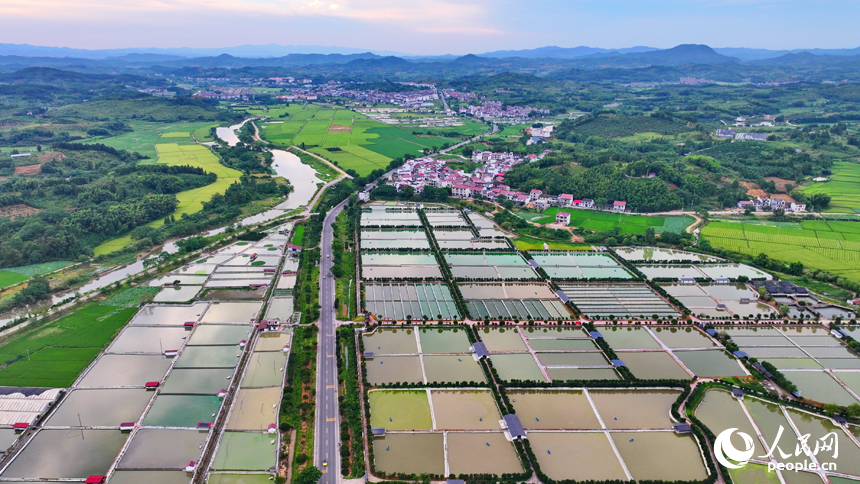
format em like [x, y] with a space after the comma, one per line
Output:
[274, 50]
[252, 51]
[636, 64]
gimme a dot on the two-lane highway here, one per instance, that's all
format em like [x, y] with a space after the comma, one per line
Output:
[327, 427]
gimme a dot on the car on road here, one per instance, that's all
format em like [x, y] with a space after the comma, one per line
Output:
[325, 463]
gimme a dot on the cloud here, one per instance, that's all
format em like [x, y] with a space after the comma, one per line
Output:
[443, 16]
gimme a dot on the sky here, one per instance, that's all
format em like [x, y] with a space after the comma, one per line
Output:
[431, 27]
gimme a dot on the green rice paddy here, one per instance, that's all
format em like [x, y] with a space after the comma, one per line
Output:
[8, 278]
[359, 143]
[607, 221]
[298, 235]
[54, 354]
[833, 246]
[843, 187]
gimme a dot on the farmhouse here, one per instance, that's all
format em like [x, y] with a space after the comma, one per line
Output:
[562, 218]
[619, 206]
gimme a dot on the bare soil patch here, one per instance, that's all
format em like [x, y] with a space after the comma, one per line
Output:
[337, 128]
[780, 182]
[18, 210]
[753, 190]
[47, 156]
[28, 170]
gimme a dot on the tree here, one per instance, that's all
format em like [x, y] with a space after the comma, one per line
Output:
[650, 235]
[308, 475]
[831, 408]
[819, 202]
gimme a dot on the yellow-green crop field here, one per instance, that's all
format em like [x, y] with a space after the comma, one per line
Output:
[832, 246]
[147, 134]
[190, 201]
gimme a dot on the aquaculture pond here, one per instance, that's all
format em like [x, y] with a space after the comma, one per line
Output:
[246, 451]
[125, 371]
[233, 312]
[100, 408]
[168, 315]
[144, 339]
[182, 410]
[67, 454]
[166, 449]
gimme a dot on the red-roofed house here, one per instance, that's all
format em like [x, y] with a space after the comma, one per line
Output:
[535, 194]
[565, 199]
[577, 203]
[619, 206]
[562, 218]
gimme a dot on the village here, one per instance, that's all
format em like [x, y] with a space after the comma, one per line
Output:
[488, 182]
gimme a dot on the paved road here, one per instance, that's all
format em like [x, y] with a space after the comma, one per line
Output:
[327, 427]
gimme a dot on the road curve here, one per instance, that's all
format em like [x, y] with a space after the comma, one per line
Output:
[327, 426]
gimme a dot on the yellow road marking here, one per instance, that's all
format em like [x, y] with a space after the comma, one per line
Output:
[329, 420]
[329, 386]
[329, 356]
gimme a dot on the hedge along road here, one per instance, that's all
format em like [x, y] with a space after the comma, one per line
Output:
[190, 201]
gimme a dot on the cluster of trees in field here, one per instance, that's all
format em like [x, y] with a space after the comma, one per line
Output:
[248, 160]
[508, 221]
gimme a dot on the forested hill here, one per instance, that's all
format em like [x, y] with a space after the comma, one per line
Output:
[83, 195]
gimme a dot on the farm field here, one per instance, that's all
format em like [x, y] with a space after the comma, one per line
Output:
[365, 144]
[531, 243]
[606, 221]
[843, 187]
[826, 245]
[38, 269]
[190, 201]
[8, 278]
[146, 135]
[59, 350]
[354, 157]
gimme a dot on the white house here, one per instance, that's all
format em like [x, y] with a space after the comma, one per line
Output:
[619, 206]
[461, 191]
[777, 204]
[534, 195]
[565, 199]
[798, 207]
[562, 218]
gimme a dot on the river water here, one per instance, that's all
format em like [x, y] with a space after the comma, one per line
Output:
[229, 134]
